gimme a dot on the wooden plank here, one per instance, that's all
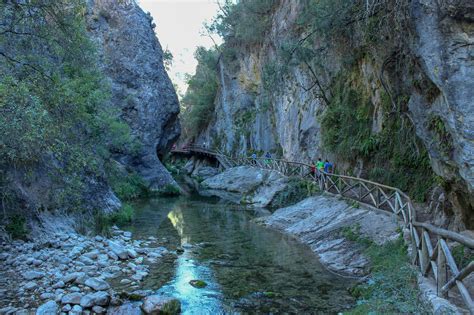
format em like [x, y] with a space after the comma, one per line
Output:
[424, 262]
[467, 241]
[449, 258]
[465, 296]
[460, 276]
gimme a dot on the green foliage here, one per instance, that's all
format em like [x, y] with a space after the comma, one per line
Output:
[198, 102]
[130, 187]
[53, 99]
[198, 284]
[443, 137]
[103, 222]
[297, 190]
[462, 255]
[392, 287]
[169, 190]
[395, 154]
[172, 307]
[16, 227]
[244, 22]
[347, 121]
[167, 59]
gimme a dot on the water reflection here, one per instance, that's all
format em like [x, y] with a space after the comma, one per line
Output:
[247, 268]
[194, 300]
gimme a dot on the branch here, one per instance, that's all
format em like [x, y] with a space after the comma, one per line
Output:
[25, 64]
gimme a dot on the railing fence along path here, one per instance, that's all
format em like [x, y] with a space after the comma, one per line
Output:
[432, 246]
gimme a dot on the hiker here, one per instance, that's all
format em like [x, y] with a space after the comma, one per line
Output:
[320, 165]
[328, 167]
[268, 156]
[254, 158]
[313, 169]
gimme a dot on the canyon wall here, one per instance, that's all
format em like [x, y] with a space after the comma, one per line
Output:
[132, 58]
[392, 102]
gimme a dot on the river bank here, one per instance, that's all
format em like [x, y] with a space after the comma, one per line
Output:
[72, 273]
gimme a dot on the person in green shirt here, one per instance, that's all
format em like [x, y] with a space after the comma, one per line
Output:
[320, 165]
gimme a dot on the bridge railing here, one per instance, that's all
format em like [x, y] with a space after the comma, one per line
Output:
[435, 260]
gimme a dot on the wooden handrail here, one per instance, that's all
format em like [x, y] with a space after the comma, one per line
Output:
[431, 259]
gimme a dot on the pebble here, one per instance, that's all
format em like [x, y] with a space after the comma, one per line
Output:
[69, 270]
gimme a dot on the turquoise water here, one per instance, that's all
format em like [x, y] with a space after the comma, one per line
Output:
[247, 268]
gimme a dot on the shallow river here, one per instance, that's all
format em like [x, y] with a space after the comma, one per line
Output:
[247, 267]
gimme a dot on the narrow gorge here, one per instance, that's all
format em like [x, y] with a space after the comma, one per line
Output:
[320, 158]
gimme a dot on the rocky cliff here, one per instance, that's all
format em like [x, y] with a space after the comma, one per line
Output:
[84, 86]
[132, 59]
[383, 88]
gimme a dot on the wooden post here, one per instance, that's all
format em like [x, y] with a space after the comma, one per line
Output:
[377, 197]
[424, 258]
[442, 270]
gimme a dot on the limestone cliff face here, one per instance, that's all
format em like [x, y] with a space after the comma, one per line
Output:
[132, 58]
[287, 119]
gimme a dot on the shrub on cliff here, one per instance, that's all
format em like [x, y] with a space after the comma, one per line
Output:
[55, 125]
[198, 102]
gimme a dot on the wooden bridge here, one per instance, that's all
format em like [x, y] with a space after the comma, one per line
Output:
[431, 246]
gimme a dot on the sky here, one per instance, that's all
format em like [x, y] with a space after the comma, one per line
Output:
[179, 27]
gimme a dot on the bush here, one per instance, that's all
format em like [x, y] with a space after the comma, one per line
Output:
[54, 101]
[127, 186]
[297, 190]
[395, 155]
[103, 222]
[17, 227]
[244, 22]
[198, 102]
[169, 190]
[392, 286]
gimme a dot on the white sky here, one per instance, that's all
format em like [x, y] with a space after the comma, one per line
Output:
[179, 27]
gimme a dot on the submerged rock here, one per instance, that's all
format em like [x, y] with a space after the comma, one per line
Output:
[198, 283]
[157, 304]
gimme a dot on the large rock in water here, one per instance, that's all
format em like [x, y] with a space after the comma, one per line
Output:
[158, 304]
[245, 184]
[132, 58]
[320, 221]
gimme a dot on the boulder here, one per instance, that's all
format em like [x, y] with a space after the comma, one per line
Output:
[72, 277]
[97, 284]
[31, 285]
[118, 249]
[125, 309]
[100, 298]
[157, 304]
[72, 298]
[48, 308]
[245, 184]
[76, 310]
[205, 172]
[31, 275]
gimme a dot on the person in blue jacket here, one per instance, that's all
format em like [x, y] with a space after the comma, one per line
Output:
[328, 167]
